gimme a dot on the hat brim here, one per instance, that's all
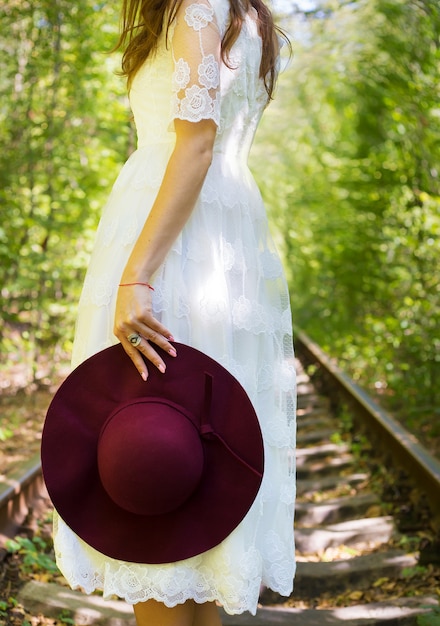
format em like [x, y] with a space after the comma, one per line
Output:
[229, 484]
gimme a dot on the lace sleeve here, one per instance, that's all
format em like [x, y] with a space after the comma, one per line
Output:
[195, 46]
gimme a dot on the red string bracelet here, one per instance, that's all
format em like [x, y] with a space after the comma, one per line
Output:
[131, 284]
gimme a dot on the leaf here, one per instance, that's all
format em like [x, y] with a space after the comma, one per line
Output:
[356, 595]
[380, 581]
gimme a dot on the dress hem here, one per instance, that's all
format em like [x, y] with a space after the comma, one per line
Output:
[170, 605]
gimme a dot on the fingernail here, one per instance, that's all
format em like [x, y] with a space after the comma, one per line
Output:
[172, 351]
[144, 376]
[170, 338]
[161, 368]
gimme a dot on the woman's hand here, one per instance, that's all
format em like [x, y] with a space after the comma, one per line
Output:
[133, 316]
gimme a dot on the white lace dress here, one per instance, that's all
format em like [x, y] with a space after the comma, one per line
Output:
[221, 290]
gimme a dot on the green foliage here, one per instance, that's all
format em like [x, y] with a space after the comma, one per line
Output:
[412, 572]
[64, 135]
[6, 605]
[430, 618]
[409, 543]
[34, 554]
[347, 160]
[9, 605]
[5, 433]
[3, 608]
[348, 163]
[65, 617]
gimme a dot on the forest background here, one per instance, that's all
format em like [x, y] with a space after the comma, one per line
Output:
[347, 158]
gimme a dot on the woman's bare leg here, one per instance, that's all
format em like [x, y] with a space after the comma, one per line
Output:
[206, 615]
[152, 613]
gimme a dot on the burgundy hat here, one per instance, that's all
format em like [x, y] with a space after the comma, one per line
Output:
[156, 471]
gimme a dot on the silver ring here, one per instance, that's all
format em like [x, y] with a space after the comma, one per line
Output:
[134, 339]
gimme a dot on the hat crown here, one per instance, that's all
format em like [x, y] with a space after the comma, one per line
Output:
[150, 456]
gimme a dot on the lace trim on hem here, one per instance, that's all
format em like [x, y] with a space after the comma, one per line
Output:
[212, 597]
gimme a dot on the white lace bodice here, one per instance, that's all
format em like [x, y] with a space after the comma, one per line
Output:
[192, 83]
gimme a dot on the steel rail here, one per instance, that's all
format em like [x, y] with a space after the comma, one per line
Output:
[390, 435]
[18, 494]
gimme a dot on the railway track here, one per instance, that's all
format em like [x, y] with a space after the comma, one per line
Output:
[400, 446]
[365, 535]
[20, 491]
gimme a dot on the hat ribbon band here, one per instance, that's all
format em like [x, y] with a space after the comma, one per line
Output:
[208, 432]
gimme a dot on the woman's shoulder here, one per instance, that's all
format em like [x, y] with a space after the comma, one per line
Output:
[220, 8]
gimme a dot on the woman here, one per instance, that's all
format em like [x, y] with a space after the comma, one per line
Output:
[183, 252]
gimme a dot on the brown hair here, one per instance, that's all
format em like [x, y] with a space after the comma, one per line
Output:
[143, 22]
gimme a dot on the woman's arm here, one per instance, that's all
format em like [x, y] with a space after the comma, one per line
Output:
[180, 188]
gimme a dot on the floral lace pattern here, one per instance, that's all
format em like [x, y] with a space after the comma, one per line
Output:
[196, 76]
[221, 289]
